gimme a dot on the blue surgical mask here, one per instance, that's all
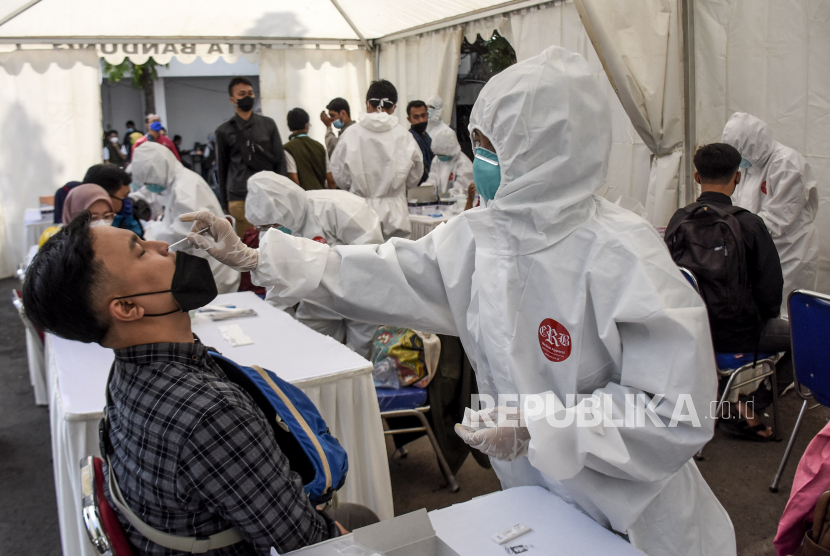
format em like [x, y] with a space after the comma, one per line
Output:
[337, 124]
[745, 163]
[430, 112]
[486, 173]
[444, 157]
[154, 188]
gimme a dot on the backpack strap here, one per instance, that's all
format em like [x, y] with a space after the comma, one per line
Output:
[301, 420]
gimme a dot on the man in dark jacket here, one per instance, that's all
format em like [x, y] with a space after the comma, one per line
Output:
[305, 158]
[718, 173]
[246, 144]
[418, 118]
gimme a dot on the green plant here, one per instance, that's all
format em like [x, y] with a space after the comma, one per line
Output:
[143, 76]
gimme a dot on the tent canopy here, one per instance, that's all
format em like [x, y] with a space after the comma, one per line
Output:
[343, 21]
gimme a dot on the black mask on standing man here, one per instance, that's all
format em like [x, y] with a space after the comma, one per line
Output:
[245, 103]
[193, 285]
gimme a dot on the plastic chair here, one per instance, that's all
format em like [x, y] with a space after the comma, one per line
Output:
[409, 402]
[100, 521]
[809, 330]
[733, 365]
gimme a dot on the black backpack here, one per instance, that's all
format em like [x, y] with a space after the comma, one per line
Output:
[708, 241]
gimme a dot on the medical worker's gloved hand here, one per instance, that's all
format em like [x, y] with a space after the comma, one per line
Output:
[505, 440]
[220, 241]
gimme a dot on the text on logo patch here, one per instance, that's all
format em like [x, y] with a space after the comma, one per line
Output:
[555, 340]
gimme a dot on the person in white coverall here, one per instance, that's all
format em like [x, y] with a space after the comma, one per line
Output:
[551, 290]
[329, 217]
[180, 191]
[778, 186]
[451, 171]
[379, 160]
[435, 109]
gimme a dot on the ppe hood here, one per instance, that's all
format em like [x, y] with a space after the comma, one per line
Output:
[378, 121]
[275, 199]
[445, 142]
[438, 108]
[154, 163]
[751, 136]
[550, 126]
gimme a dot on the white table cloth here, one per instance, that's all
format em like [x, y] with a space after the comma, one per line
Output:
[336, 379]
[423, 224]
[35, 224]
[557, 528]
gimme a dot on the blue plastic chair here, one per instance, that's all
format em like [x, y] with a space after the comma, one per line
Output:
[733, 365]
[809, 331]
[409, 402]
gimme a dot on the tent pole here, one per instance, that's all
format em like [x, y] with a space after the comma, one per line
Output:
[689, 102]
[18, 11]
[376, 65]
[357, 32]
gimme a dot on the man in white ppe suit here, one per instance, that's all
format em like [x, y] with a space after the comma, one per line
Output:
[326, 216]
[451, 170]
[778, 186]
[435, 109]
[379, 160]
[553, 291]
[180, 191]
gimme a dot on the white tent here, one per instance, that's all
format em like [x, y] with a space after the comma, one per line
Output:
[676, 88]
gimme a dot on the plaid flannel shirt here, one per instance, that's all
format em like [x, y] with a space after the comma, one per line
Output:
[194, 455]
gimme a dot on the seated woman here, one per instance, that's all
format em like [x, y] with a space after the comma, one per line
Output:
[89, 197]
[812, 478]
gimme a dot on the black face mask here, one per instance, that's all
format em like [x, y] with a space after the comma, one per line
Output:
[420, 128]
[245, 103]
[193, 285]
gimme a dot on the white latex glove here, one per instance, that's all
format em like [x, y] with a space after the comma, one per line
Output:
[507, 440]
[220, 241]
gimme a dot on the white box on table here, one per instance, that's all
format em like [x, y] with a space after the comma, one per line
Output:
[406, 535]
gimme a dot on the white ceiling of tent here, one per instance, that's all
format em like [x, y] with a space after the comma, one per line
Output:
[102, 20]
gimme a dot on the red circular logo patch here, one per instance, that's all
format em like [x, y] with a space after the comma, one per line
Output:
[554, 340]
[764, 188]
[320, 239]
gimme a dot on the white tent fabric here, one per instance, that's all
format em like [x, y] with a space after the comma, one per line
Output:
[309, 79]
[51, 119]
[422, 66]
[770, 59]
[532, 30]
[643, 58]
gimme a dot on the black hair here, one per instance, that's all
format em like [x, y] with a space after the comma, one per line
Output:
[177, 138]
[236, 81]
[59, 293]
[110, 132]
[380, 90]
[414, 104]
[109, 176]
[297, 119]
[338, 105]
[717, 162]
[130, 123]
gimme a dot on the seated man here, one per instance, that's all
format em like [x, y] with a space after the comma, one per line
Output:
[116, 182]
[753, 324]
[191, 451]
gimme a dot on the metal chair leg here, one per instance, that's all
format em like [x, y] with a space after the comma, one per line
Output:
[776, 417]
[445, 468]
[774, 486]
[725, 394]
[403, 451]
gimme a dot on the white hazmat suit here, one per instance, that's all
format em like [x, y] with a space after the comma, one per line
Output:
[453, 174]
[552, 290]
[185, 191]
[435, 122]
[326, 216]
[781, 189]
[379, 160]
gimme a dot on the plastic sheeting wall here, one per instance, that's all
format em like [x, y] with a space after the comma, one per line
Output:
[422, 66]
[531, 31]
[51, 121]
[770, 59]
[309, 79]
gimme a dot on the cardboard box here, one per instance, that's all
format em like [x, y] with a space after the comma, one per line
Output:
[406, 535]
